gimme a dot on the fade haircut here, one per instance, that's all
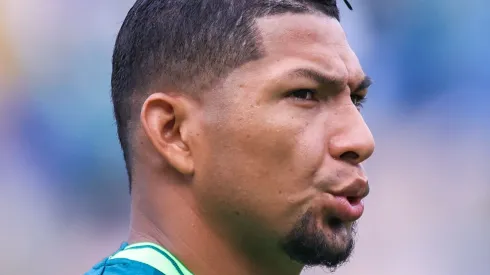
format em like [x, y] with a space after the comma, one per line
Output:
[188, 45]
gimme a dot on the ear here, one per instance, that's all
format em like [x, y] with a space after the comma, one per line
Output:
[163, 117]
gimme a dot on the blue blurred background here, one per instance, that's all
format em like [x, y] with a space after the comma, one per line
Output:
[63, 190]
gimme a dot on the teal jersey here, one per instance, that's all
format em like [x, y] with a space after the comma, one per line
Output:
[140, 259]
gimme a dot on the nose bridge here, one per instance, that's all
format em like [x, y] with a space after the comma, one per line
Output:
[351, 135]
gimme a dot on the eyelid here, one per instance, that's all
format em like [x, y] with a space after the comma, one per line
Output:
[314, 92]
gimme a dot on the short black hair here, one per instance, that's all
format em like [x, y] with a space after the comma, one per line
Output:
[187, 43]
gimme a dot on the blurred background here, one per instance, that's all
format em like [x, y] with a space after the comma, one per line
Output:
[63, 187]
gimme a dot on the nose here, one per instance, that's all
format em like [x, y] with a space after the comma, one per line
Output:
[352, 140]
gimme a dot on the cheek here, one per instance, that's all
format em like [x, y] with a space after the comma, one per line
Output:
[246, 158]
[260, 169]
[311, 148]
[273, 154]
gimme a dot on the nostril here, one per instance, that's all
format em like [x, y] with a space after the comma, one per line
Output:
[350, 155]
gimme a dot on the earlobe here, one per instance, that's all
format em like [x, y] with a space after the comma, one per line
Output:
[162, 117]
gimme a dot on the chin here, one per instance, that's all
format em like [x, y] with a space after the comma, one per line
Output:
[338, 234]
[328, 244]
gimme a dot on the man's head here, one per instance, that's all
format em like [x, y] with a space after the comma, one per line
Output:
[253, 105]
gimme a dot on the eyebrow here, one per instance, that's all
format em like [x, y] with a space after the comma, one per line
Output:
[364, 85]
[315, 76]
[325, 80]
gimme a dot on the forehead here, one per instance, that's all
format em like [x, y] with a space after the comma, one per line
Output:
[310, 39]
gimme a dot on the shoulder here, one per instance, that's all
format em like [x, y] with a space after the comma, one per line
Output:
[120, 263]
[122, 267]
[140, 259]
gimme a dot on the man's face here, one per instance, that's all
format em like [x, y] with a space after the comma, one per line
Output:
[281, 142]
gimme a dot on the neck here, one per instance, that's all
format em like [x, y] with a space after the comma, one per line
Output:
[169, 217]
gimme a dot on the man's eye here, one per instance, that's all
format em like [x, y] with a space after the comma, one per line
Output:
[303, 94]
[358, 101]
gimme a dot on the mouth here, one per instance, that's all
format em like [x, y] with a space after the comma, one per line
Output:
[342, 209]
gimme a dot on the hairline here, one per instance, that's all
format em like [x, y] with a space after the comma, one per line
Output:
[158, 84]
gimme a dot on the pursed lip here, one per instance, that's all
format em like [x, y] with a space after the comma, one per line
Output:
[347, 203]
[345, 209]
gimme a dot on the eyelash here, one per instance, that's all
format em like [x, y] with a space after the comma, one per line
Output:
[358, 100]
[295, 94]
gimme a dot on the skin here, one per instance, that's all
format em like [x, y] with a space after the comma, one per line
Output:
[222, 179]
